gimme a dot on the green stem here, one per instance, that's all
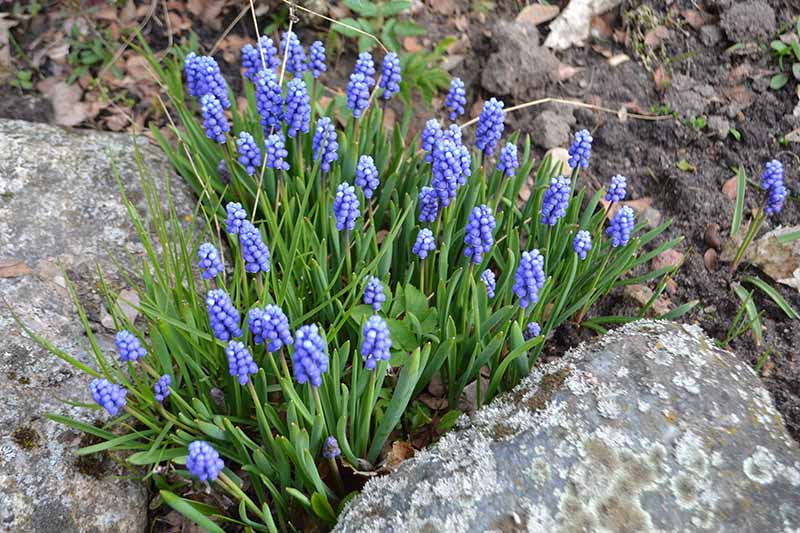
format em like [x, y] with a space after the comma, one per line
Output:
[263, 425]
[233, 489]
[366, 412]
[320, 410]
[347, 258]
[594, 285]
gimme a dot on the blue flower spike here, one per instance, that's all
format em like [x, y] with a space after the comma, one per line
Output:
[310, 358]
[375, 343]
[203, 461]
[373, 293]
[109, 396]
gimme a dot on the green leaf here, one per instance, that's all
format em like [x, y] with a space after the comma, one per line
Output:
[347, 31]
[778, 81]
[796, 71]
[395, 7]
[738, 211]
[788, 237]
[746, 298]
[406, 28]
[362, 7]
[448, 420]
[685, 166]
[774, 295]
[322, 508]
[187, 509]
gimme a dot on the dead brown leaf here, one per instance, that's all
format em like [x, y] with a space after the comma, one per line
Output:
[600, 28]
[618, 60]
[696, 19]
[179, 23]
[667, 258]
[207, 11]
[437, 404]
[662, 78]
[729, 188]
[642, 294]
[399, 452]
[462, 23]
[739, 94]
[656, 36]
[13, 268]
[5, 47]
[68, 110]
[443, 7]
[639, 206]
[536, 14]
[411, 44]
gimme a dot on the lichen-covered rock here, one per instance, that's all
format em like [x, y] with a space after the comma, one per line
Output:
[60, 206]
[651, 428]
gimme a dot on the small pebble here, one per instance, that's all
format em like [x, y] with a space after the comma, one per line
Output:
[712, 238]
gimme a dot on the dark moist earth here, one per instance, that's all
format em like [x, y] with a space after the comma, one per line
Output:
[709, 81]
[697, 74]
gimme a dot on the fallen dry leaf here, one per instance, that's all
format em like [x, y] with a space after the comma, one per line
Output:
[13, 268]
[780, 261]
[399, 452]
[642, 294]
[68, 110]
[535, 14]
[443, 7]
[696, 19]
[411, 44]
[667, 258]
[437, 404]
[5, 47]
[729, 188]
[618, 59]
[656, 36]
[793, 136]
[462, 23]
[739, 94]
[208, 11]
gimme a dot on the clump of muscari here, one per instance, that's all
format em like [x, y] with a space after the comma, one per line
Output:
[456, 98]
[302, 379]
[249, 153]
[310, 359]
[376, 343]
[210, 261]
[223, 315]
[129, 346]
[260, 57]
[161, 388]
[109, 396]
[367, 175]
[424, 243]
[373, 293]
[203, 461]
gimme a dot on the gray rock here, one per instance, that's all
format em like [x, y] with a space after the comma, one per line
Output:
[689, 97]
[651, 428]
[520, 67]
[710, 35]
[60, 205]
[749, 21]
[552, 128]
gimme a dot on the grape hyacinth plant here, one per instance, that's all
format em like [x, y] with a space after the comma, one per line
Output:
[311, 348]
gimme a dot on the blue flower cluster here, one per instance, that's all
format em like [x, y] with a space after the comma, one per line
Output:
[555, 200]
[430, 135]
[204, 77]
[236, 217]
[456, 98]
[298, 107]
[107, 395]
[161, 388]
[316, 59]
[223, 316]
[772, 182]
[240, 362]
[346, 207]
[621, 226]
[252, 60]
[366, 66]
[129, 346]
[249, 153]
[529, 278]
[269, 100]
[214, 120]
[390, 75]
[581, 149]
[276, 152]
[210, 261]
[428, 204]
[508, 162]
[478, 238]
[357, 93]
[324, 143]
[490, 126]
[254, 251]
[376, 342]
[310, 358]
[447, 170]
[270, 324]
[424, 243]
[330, 450]
[488, 279]
[582, 243]
[203, 461]
[618, 189]
[367, 175]
[373, 293]
[296, 59]
[532, 330]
